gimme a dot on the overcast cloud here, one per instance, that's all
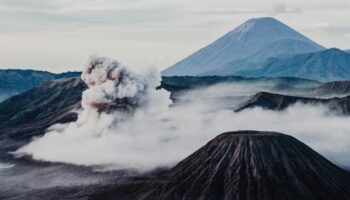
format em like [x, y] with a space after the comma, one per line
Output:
[58, 35]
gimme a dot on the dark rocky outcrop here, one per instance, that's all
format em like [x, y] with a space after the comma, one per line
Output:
[31, 112]
[333, 88]
[243, 165]
[280, 102]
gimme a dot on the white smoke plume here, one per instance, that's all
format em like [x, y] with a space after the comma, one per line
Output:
[113, 88]
[115, 94]
[127, 123]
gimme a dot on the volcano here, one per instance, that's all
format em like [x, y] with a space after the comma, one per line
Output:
[260, 37]
[243, 165]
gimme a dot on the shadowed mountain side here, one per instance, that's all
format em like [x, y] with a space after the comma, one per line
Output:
[280, 102]
[30, 113]
[243, 165]
[327, 65]
[331, 88]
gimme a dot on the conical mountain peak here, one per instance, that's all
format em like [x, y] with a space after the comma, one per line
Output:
[246, 165]
[243, 41]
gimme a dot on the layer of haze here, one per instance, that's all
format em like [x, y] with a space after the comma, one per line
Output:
[56, 35]
[160, 135]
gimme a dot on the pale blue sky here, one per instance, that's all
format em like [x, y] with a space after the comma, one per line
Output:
[59, 35]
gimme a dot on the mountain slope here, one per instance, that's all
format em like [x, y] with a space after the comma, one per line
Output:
[232, 68]
[31, 112]
[280, 102]
[245, 40]
[328, 65]
[281, 48]
[244, 165]
[15, 81]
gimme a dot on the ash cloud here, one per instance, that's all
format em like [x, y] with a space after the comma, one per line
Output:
[112, 87]
[127, 123]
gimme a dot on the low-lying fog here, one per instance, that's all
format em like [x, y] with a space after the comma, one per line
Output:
[158, 134]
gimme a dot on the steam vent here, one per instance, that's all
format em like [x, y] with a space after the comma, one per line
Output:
[244, 165]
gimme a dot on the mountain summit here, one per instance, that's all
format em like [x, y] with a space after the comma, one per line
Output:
[244, 165]
[246, 40]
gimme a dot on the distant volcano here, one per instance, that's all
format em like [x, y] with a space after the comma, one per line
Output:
[261, 38]
[244, 165]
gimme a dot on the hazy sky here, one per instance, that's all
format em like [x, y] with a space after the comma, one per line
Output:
[59, 35]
